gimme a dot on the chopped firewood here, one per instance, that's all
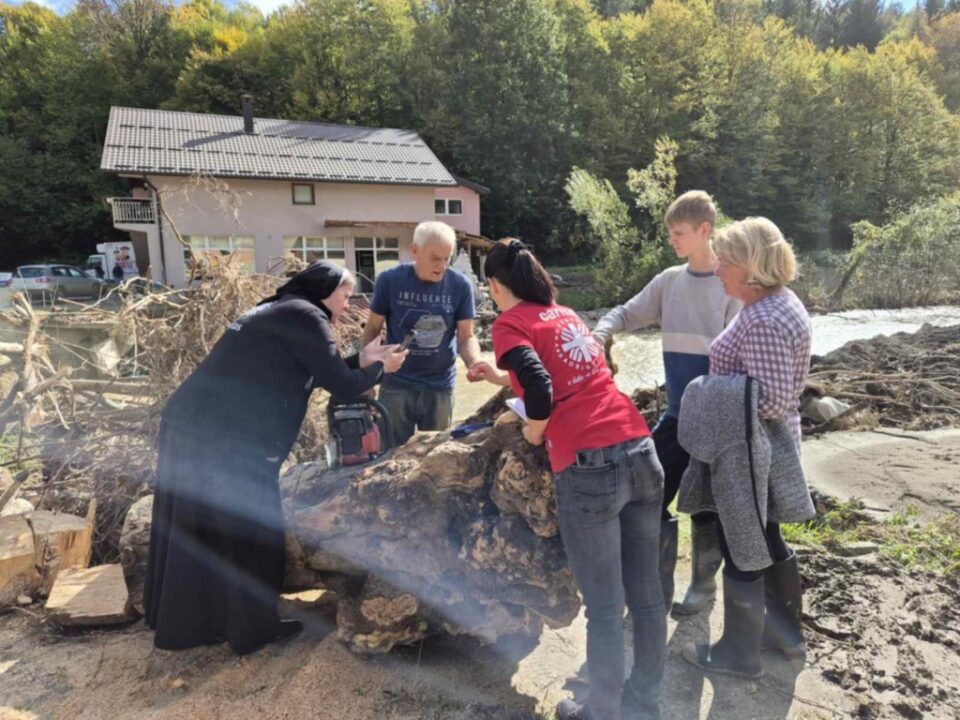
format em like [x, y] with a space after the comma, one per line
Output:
[90, 596]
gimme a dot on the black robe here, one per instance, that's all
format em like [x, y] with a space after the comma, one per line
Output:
[217, 553]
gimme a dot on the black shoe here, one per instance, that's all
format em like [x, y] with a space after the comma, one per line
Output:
[705, 561]
[738, 650]
[668, 558]
[783, 595]
[286, 630]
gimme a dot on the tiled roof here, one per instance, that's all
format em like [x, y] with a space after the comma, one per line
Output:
[162, 142]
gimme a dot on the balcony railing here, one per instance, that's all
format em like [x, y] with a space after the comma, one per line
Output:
[132, 211]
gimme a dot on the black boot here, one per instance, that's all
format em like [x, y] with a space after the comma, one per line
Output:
[705, 561]
[784, 601]
[668, 558]
[738, 650]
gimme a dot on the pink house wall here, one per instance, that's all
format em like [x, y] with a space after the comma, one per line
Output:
[470, 220]
[266, 212]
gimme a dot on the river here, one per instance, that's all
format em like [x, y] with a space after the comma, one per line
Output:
[641, 365]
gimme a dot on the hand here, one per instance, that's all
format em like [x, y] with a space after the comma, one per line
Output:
[393, 358]
[483, 370]
[532, 436]
[390, 355]
[375, 352]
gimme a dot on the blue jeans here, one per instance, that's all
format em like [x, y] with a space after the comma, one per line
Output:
[609, 516]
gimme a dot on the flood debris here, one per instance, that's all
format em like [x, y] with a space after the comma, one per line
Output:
[909, 381]
[442, 535]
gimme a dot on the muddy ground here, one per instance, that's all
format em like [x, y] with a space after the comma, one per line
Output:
[888, 469]
[884, 642]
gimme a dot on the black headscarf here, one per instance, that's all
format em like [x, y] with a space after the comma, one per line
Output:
[314, 284]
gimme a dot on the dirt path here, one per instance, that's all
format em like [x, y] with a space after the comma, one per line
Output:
[884, 643]
[888, 470]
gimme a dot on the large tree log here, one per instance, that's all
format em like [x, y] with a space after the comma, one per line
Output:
[453, 535]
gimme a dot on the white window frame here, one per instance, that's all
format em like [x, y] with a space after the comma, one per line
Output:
[379, 245]
[316, 244]
[205, 251]
[446, 207]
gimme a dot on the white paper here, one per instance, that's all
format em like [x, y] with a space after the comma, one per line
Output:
[516, 404]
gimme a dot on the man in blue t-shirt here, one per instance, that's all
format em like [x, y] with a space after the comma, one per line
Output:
[432, 305]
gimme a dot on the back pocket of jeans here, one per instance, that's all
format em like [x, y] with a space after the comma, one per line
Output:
[594, 488]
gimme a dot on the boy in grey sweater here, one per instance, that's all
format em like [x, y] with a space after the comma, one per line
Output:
[689, 304]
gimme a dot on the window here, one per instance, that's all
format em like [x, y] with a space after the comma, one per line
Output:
[74, 272]
[302, 194]
[30, 272]
[60, 272]
[447, 206]
[386, 252]
[208, 252]
[311, 249]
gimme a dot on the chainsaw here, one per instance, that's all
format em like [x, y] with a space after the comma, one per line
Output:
[360, 431]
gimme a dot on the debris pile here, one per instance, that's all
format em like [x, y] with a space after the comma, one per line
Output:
[908, 380]
[443, 534]
[93, 433]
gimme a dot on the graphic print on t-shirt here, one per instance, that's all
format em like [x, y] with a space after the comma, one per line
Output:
[428, 330]
[576, 344]
[576, 348]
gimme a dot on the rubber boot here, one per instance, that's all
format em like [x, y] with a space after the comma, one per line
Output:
[705, 560]
[668, 558]
[784, 601]
[738, 650]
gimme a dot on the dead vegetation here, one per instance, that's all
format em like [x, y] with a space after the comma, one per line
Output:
[909, 381]
[91, 434]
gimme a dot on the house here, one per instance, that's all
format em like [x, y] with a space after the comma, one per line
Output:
[255, 191]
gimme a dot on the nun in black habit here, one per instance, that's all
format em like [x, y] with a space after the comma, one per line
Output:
[217, 554]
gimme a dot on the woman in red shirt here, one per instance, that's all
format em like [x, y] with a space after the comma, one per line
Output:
[607, 479]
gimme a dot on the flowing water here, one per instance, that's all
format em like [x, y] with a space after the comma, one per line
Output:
[641, 365]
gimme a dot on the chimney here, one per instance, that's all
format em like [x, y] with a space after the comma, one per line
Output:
[247, 114]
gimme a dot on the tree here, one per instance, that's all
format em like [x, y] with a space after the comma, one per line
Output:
[631, 250]
[492, 97]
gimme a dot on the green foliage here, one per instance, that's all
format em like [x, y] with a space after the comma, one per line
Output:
[932, 544]
[913, 260]
[818, 115]
[631, 251]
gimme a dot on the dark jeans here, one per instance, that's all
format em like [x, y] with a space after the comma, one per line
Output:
[778, 546]
[674, 460]
[413, 409]
[609, 520]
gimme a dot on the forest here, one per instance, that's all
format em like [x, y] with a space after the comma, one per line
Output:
[822, 115]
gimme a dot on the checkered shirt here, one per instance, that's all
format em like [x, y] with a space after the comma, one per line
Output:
[769, 341]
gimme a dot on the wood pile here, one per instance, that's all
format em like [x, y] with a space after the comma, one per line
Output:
[907, 380]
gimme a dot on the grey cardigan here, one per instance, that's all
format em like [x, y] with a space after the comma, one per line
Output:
[728, 444]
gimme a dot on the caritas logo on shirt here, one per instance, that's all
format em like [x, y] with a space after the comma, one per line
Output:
[574, 344]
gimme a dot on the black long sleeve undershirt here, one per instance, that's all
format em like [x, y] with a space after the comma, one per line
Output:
[533, 378]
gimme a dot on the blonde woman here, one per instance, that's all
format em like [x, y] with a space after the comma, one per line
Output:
[769, 342]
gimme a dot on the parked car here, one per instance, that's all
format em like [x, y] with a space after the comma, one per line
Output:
[52, 282]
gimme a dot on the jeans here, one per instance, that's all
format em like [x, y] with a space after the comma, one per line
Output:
[609, 518]
[674, 460]
[413, 409]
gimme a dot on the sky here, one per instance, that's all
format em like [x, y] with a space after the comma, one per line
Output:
[62, 6]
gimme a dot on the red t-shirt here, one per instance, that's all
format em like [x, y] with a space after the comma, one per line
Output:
[588, 411]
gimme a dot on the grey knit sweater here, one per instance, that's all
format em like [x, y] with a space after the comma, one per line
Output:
[713, 428]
